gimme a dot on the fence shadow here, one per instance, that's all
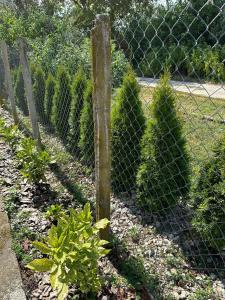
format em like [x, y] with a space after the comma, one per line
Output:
[175, 225]
[71, 186]
[132, 269]
[200, 256]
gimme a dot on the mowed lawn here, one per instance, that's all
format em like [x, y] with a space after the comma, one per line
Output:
[200, 132]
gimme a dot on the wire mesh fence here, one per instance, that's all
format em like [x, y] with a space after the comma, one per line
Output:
[170, 162]
[168, 134]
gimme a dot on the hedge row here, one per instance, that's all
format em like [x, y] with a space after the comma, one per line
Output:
[154, 152]
[63, 105]
[148, 156]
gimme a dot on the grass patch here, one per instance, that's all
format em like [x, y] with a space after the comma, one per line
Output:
[189, 103]
[20, 253]
[11, 202]
[19, 235]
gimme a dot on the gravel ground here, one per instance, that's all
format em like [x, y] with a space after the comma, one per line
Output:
[152, 258]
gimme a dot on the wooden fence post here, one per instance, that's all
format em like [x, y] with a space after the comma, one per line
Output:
[29, 92]
[101, 72]
[8, 80]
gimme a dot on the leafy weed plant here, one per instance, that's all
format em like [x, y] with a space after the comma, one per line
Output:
[73, 248]
[33, 162]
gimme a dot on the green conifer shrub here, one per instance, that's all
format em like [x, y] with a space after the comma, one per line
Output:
[209, 217]
[86, 143]
[128, 124]
[163, 175]
[21, 100]
[39, 92]
[62, 103]
[2, 80]
[49, 94]
[78, 88]
[33, 68]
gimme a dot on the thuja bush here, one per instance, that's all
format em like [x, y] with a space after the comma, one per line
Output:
[209, 217]
[39, 92]
[62, 103]
[78, 88]
[86, 143]
[128, 124]
[49, 94]
[33, 68]
[163, 175]
[2, 80]
[73, 248]
[21, 100]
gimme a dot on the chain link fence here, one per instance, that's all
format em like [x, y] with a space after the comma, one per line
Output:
[168, 134]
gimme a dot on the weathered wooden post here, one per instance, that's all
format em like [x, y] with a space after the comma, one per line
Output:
[8, 80]
[29, 92]
[102, 82]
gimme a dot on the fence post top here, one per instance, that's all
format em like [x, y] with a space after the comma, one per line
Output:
[102, 18]
[21, 40]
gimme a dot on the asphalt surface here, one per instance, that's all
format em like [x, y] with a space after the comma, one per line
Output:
[206, 89]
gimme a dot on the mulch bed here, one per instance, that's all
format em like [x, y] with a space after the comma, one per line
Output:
[152, 257]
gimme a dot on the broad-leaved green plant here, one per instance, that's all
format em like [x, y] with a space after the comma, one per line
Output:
[33, 161]
[73, 248]
[54, 212]
[10, 134]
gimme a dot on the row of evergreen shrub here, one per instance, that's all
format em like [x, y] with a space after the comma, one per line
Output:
[155, 154]
[148, 156]
[64, 107]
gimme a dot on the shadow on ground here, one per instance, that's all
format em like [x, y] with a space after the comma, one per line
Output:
[132, 269]
[175, 224]
[71, 186]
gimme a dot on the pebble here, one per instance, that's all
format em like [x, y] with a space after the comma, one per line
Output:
[183, 295]
[36, 293]
[149, 253]
[52, 295]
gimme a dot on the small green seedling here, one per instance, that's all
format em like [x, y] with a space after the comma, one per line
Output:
[54, 212]
[134, 234]
[11, 202]
[10, 134]
[33, 162]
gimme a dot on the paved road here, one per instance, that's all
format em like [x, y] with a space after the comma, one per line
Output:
[205, 89]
